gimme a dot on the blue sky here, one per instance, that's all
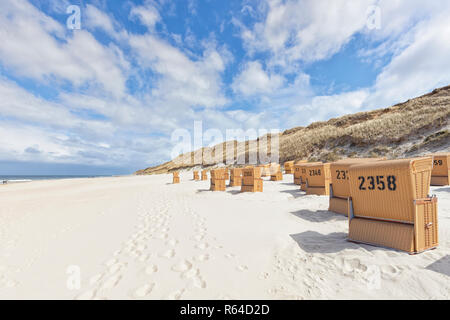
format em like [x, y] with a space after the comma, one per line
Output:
[106, 98]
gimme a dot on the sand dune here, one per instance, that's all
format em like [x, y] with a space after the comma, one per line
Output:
[414, 128]
[141, 237]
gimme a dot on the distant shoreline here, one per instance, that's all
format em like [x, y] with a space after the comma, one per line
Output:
[5, 179]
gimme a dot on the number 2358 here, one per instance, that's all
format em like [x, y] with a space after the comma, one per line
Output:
[377, 182]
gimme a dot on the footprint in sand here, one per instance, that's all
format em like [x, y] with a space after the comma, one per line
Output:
[202, 257]
[390, 272]
[95, 279]
[199, 282]
[141, 247]
[242, 268]
[195, 278]
[144, 290]
[354, 264]
[144, 257]
[392, 254]
[172, 242]
[199, 237]
[162, 236]
[190, 273]
[88, 295]
[389, 269]
[110, 262]
[111, 282]
[150, 269]
[168, 254]
[202, 246]
[134, 254]
[176, 295]
[182, 266]
[116, 267]
[10, 283]
[349, 265]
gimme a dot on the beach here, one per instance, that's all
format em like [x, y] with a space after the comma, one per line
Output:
[142, 237]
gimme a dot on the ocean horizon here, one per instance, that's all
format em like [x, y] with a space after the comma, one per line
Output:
[28, 178]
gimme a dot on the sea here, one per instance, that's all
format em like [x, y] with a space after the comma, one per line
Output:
[17, 179]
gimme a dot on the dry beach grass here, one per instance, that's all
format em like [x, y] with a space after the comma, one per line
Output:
[415, 127]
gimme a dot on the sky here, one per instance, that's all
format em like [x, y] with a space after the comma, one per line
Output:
[106, 95]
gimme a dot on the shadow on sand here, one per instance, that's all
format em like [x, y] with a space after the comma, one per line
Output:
[441, 266]
[446, 189]
[233, 192]
[319, 216]
[314, 242]
[295, 193]
[228, 191]
[203, 190]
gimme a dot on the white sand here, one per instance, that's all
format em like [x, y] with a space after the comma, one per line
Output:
[142, 237]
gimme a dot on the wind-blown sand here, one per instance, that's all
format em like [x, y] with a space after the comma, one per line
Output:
[142, 237]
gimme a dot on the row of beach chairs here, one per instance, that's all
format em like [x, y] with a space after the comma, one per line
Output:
[248, 178]
[387, 202]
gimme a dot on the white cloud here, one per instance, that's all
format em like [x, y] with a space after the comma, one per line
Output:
[18, 103]
[420, 67]
[413, 38]
[183, 82]
[326, 107]
[180, 78]
[305, 30]
[95, 18]
[419, 64]
[253, 79]
[16, 140]
[33, 51]
[398, 16]
[34, 129]
[148, 15]
[106, 127]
